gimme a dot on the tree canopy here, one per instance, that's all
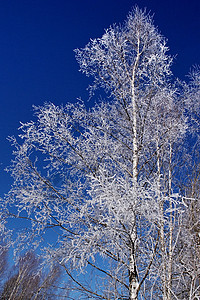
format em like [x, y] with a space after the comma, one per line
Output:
[110, 180]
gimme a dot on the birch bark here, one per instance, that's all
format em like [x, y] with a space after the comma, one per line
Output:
[169, 287]
[133, 276]
[161, 224]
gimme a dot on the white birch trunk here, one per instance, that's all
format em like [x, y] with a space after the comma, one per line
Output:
[16, 287]
[133, 276]
[170, 228]
[162, 241]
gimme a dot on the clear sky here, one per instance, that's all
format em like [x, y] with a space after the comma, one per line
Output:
[37, 62]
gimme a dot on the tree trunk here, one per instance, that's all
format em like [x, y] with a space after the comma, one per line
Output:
[170, 228]
[162, 239]
[133, 276]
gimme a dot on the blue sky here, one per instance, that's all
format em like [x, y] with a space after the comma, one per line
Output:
[37, 62]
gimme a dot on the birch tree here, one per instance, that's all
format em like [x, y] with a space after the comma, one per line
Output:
[188, 250]
[27, 280]
[102, 178]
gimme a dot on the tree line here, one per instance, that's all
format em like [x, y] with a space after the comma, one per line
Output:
[27, 279]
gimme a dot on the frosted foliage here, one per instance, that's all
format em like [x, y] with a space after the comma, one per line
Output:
[73, 173]
[193, 100]
[111, 60]
[101, 180]
[84, 174]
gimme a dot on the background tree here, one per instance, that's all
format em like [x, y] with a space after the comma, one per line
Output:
[27, 281]
[188, 250]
